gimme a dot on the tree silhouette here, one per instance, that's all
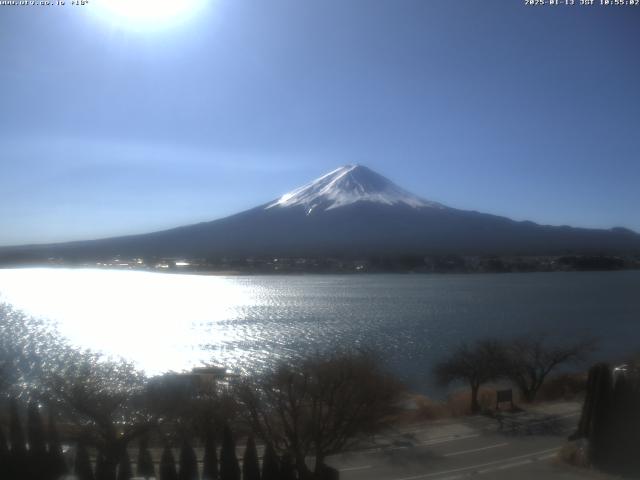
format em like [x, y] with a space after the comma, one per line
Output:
[37, 465]
[322, 405]
[125, 471]
[270, 464]
[92, 391]
[477, 364]
[145, 466]
[168, 465]
[105, 397]
[104, 470]
[188, 463]
[57, 463]
[190, 411]
[4, 453]
[531, 359]
[210, 460]
[250, 465]
[287, 470]
[83, 468]
[229, 468]
[18, 450]
[29, 349]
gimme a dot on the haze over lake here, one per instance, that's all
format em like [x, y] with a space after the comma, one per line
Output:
[171, 322]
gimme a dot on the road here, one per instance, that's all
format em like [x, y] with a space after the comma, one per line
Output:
[469, 447]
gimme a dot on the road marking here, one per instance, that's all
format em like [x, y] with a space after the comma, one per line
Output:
[531, 456]
[517, 464]
[453, 454]
[351, 469]
[439, 440]
[501, 467]
[452, 438]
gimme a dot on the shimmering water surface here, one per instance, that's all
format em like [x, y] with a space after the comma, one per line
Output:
[165, 321]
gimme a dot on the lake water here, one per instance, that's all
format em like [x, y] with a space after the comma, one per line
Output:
[166, 321]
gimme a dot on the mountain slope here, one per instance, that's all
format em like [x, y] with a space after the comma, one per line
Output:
[350, 211]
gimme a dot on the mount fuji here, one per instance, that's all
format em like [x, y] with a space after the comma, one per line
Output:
[351, 211]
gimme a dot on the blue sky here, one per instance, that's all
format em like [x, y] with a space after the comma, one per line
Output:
[105, 129]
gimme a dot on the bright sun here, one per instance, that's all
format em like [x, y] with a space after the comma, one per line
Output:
[147, 14]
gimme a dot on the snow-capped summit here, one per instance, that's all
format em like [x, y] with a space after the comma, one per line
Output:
[346, 185]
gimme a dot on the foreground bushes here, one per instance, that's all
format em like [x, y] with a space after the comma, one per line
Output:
[526, 362]
[39, 458]
[320, 407]
[36, 456]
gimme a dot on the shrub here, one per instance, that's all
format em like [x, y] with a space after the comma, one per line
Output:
[566, 386]
[229, 468]
[145, 466]
[250, 465]
[124, 467]
[168, 465]
[270, 464]
[188, 463]
[210, 460]
[83, 468]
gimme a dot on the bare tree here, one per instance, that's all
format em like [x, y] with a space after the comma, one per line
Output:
[322, 406]
[104, 397]
[187, 408]
[29, 347]
[531, 359]
[475, 364]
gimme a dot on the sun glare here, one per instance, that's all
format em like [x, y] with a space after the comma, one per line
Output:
[159, 321]
[147, 14]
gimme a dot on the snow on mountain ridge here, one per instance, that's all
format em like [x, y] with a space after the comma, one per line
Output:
[346, 185]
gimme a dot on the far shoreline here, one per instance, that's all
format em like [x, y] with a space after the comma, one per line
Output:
[250, 272]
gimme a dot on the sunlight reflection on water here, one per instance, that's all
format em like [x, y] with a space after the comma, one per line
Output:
[150, 318]
[171, 322]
